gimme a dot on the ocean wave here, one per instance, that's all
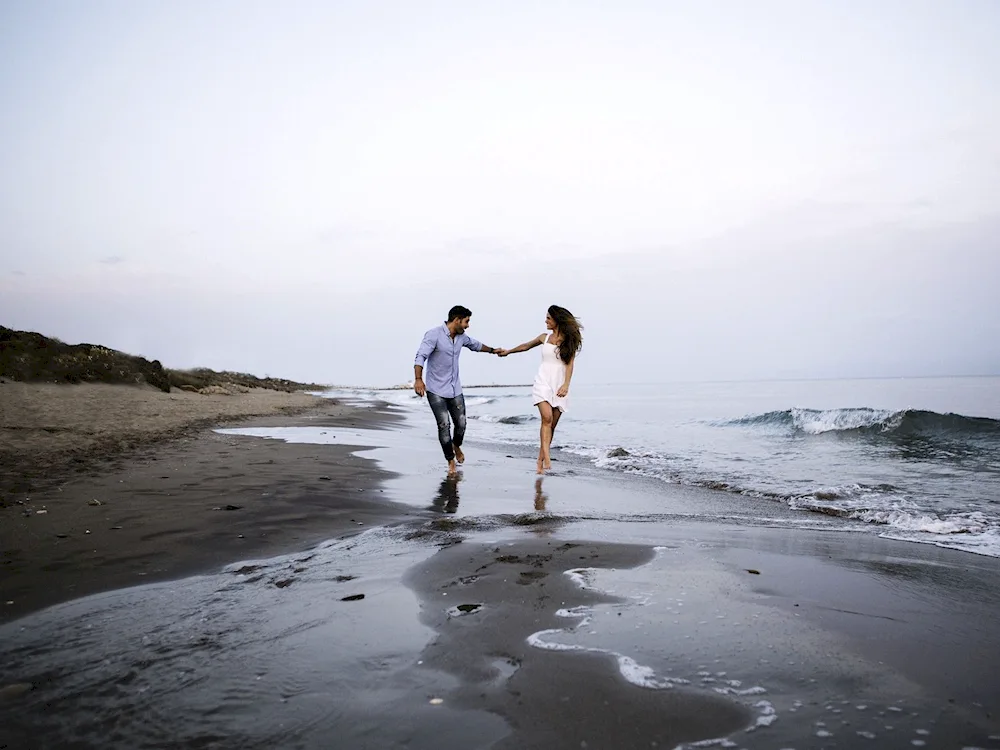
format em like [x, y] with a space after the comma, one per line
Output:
[494, 419]
[478, 400]
[369, 397]
[885, 505]
[402, 396]
[870, 421]
[881, 505]
[660, 466]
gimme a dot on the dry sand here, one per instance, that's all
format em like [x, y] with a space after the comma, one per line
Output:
[48, 430]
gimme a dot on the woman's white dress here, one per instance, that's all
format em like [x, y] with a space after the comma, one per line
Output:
[551, 375]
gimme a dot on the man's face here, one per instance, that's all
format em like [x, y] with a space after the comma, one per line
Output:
[462, 324]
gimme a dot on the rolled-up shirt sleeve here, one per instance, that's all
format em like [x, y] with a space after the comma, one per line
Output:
[471, 343]
[425, 348]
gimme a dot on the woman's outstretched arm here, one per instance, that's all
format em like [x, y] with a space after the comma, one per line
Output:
[525, 346]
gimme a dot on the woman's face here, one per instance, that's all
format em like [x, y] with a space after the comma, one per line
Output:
[549, 323]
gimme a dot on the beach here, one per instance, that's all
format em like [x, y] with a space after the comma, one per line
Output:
[706, 292]
[108, 486]
[354, 596]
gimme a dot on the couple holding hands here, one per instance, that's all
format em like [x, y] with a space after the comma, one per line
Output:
[435, 374]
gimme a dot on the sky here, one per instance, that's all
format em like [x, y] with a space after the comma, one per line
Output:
[719, 190]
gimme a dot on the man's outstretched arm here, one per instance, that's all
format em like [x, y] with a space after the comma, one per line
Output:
[478, 346]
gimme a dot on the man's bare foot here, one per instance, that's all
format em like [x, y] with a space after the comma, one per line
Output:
[459, 456]
[452, 468]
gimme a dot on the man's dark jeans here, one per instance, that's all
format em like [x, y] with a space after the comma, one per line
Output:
[442, 408]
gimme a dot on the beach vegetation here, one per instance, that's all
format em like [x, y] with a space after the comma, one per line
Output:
[32, 357]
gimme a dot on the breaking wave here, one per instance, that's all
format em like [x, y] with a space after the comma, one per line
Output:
[871, 421]
[492, 419]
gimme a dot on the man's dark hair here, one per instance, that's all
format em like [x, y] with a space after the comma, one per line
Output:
[458, 311]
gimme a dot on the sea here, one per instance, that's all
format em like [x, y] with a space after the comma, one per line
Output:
[913, 459]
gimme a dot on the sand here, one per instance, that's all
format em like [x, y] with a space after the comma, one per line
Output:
[499, 596]
[130, 485]
[49, 430]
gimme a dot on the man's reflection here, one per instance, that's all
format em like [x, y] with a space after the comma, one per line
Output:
[446, 500]
[540, 497]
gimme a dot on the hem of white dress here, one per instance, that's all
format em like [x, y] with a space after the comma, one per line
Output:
[546, 401]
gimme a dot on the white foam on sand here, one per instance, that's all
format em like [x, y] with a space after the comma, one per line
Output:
[631, 670]
[635, 673]
[986, 543]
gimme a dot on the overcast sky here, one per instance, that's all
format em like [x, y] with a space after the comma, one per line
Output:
[720, 190]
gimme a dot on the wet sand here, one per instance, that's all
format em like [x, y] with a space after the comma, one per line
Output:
[834, 640]
[525, 636]
[485, 602]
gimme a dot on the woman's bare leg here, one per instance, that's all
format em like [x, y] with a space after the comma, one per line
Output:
[544, 435]
[556, 413]
[541, 433]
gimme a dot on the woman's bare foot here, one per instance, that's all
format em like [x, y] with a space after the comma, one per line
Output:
[541, 467]
[459, 456]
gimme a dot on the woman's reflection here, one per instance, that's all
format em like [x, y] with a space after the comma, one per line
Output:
[540, 497]
[446, 500]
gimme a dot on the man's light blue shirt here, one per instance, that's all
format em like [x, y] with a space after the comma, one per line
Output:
[440, 353]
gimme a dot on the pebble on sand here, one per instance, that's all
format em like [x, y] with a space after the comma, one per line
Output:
[15, 689]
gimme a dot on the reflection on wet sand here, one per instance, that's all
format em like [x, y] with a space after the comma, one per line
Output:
[446, 500]
[540, 497]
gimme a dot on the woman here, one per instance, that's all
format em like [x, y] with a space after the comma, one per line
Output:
[550, 392]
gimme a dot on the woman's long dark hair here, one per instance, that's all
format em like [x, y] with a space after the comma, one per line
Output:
[569, 331]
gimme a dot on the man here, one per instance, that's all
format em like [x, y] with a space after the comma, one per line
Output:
[440, 350]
